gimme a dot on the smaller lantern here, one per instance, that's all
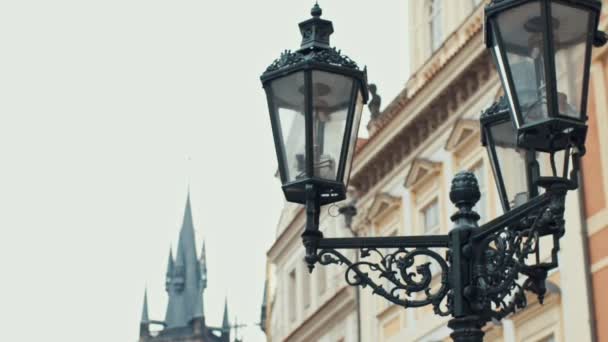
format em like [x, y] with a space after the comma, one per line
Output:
[515, 169]
[315, 98]
[542, 50]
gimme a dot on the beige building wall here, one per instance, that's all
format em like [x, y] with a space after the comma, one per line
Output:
[402, 175]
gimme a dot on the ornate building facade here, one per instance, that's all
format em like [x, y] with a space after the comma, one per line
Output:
[186, 280]
[400, 181]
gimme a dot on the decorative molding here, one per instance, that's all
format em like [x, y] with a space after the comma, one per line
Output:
[599, 265]
[330, 56]
[436, 113]
[421, 169]
[426, 122]
[380, 205]
[463, 130]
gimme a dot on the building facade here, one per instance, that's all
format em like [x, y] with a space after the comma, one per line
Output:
[186, 281]
[400, 184]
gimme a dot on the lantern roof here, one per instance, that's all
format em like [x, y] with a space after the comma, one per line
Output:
[315, 51]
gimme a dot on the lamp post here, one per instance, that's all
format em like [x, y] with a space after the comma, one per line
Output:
[315, 96]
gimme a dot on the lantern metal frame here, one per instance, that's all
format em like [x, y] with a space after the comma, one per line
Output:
[557, 131]
[315, 54]
[499, 113]
[482, 273]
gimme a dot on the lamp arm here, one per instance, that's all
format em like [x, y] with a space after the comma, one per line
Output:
[473, 274]
[404, 277]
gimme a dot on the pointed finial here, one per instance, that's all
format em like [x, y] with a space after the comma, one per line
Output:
[226, 321]
[170, 262]
[316, 10]
[144, 311]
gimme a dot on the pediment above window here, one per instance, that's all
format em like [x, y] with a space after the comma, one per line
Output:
[381, 205]
[463, 131]
[421, 170]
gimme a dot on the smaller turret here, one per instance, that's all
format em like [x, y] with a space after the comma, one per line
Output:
[144, 324]
[170, 270]
[226, 322]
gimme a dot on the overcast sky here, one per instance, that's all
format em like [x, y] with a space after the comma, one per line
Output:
[102, 103]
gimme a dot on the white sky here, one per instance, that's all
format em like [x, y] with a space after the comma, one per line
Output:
[101, 103]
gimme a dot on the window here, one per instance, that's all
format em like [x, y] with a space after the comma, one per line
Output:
[430, 217]
[291, 292]
[435, 9]
[306, 289]
[321, 279]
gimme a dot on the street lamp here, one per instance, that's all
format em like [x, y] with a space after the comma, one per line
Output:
[515, 169]
[315, 97]
[542, 50]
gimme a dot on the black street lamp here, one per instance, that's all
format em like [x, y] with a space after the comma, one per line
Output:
[542, 50]
[315, 98]
[515, 169]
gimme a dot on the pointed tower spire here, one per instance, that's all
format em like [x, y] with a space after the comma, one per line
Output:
[170, 270]
[144, 324]
[144, 311]
[170, 263]
[185, 300]
[226, 321]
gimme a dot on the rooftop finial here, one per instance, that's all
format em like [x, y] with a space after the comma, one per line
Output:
[316, 11]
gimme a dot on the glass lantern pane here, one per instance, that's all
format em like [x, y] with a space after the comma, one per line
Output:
[331, 96]
[521, 33]
[352, 143]
[570, 37]
[510, 163]
[288, 110]
[558, 165]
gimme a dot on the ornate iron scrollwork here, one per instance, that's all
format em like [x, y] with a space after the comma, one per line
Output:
[410, 282]
[504, 256]
[329, 56]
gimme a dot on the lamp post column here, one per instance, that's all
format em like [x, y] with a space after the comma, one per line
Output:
[466, 326]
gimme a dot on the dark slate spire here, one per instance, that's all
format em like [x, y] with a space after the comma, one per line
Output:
[144, 324]
[185, 299]
[144, 312]
[226, 321]
[170, 263]
[170, 270]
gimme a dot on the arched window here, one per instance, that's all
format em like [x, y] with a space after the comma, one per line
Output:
[435, 23]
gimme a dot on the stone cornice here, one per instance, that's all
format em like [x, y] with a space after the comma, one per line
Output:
[469, 30]
[385, 150]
